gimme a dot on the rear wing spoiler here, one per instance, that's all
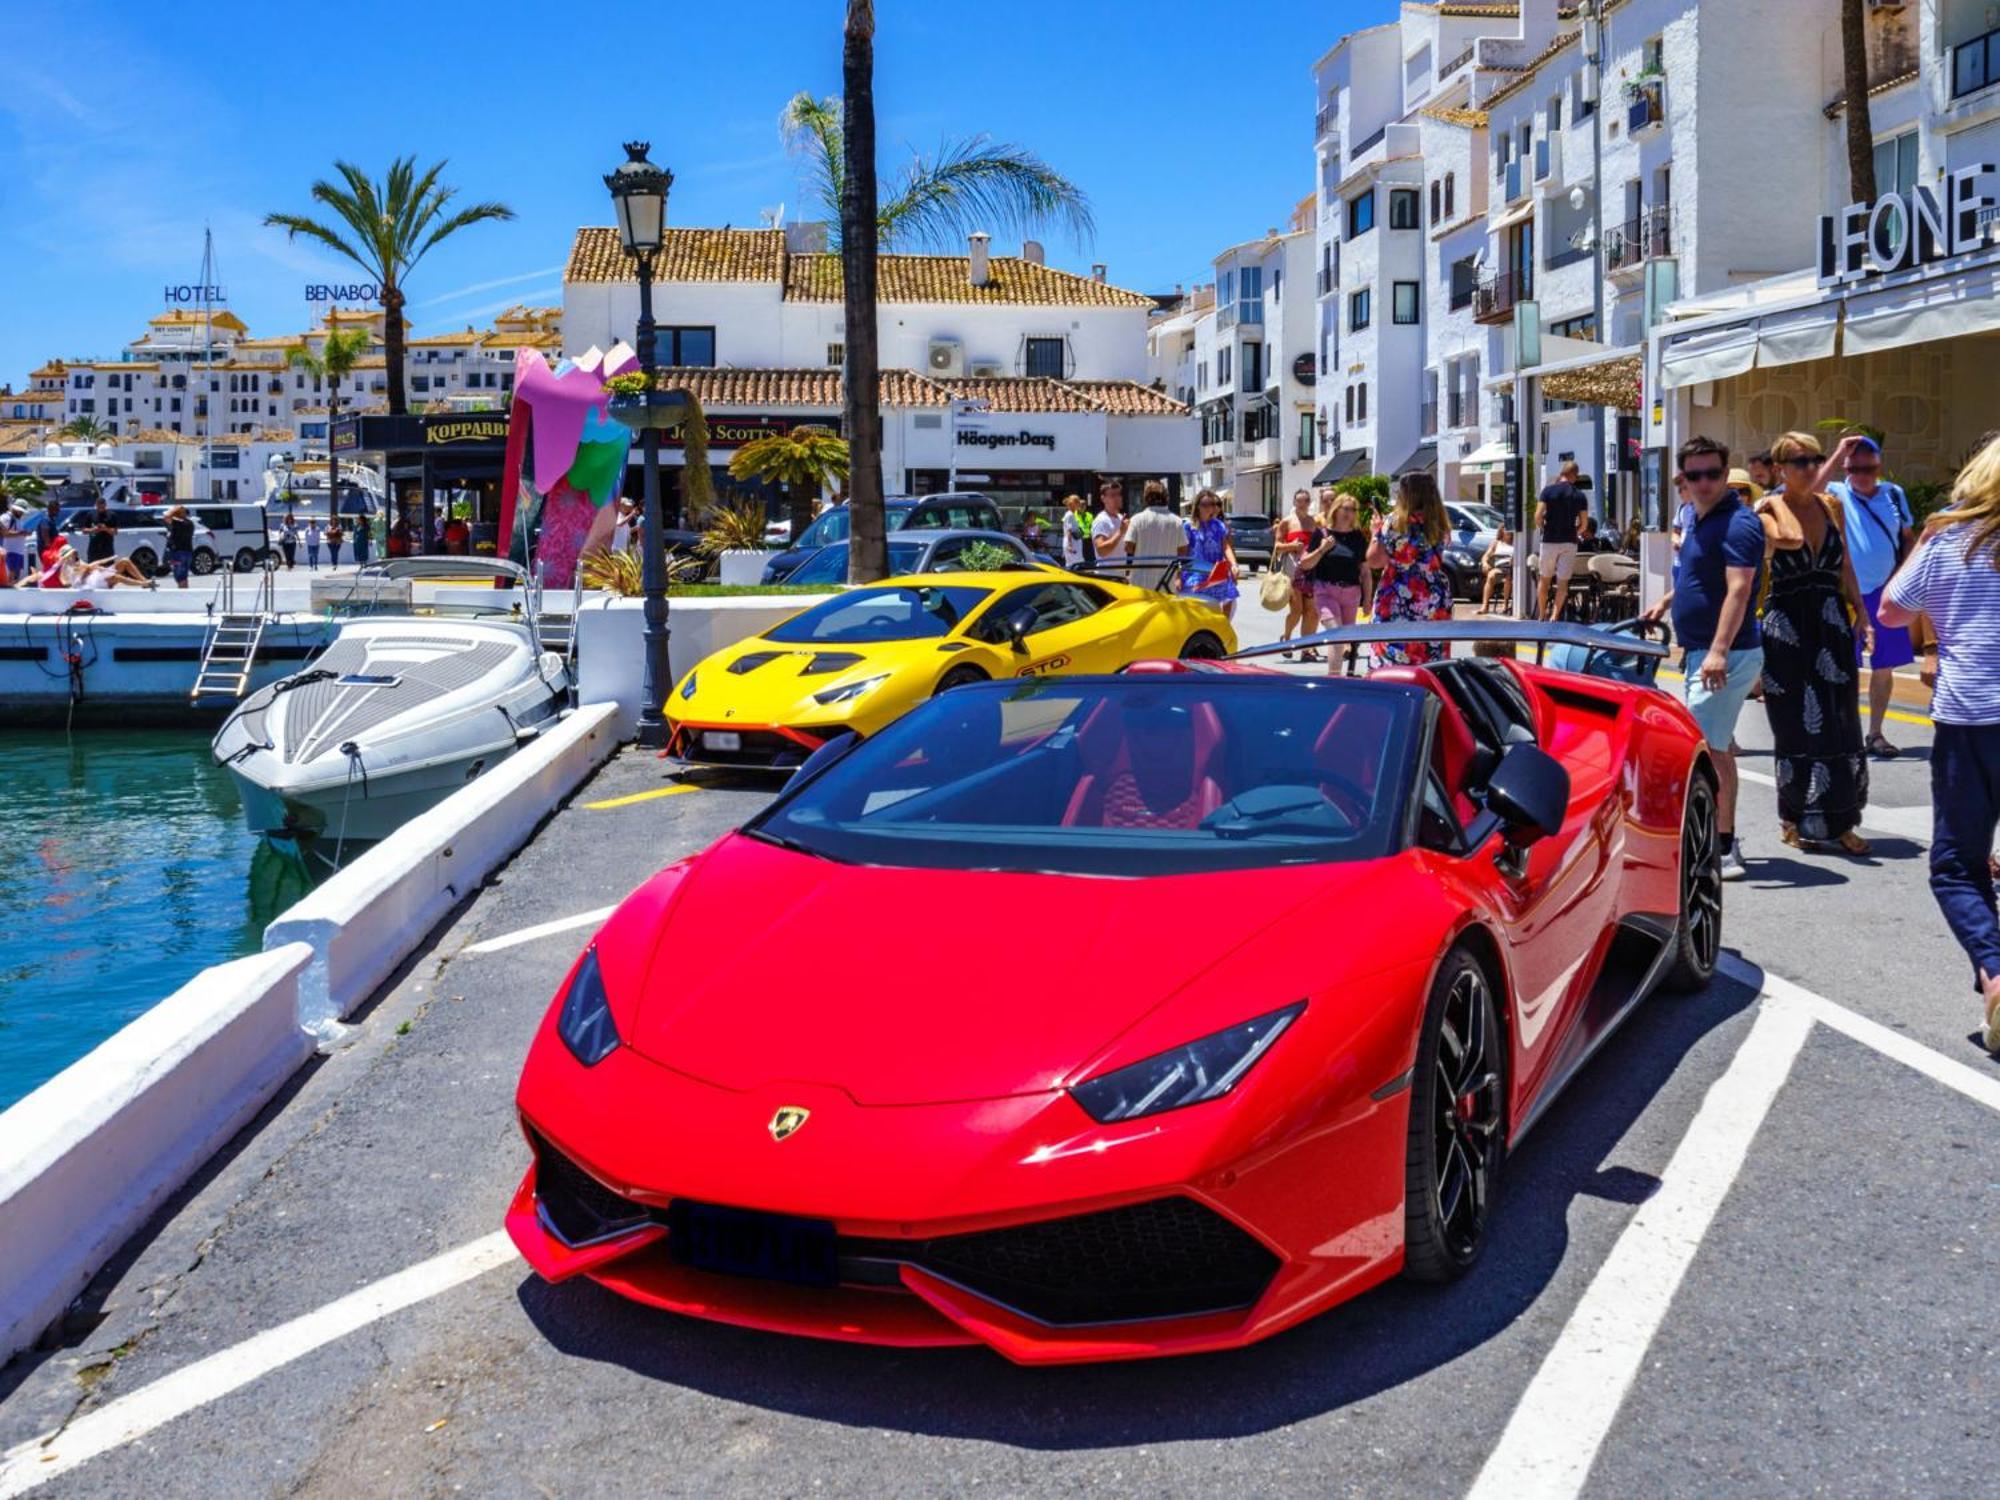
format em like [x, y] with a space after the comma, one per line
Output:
[1141, 573]
[1648, 640]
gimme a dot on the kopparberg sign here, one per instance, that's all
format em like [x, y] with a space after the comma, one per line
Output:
[1901, 231]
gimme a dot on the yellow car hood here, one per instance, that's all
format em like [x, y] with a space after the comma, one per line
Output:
[765, 682]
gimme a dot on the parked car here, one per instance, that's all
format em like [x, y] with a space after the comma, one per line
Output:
[1253, 536]
[142, 537]
[1473, 528]
[913, 550]
[902, 512]
[240, 537]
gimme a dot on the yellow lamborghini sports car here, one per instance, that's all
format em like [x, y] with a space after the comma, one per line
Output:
[857, 660]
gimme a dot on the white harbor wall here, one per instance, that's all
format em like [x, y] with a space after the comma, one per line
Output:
[86, 1158]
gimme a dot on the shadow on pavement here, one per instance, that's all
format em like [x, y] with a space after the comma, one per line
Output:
[1378, 1341]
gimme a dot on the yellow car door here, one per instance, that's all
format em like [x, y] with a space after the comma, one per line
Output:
[1069, 630]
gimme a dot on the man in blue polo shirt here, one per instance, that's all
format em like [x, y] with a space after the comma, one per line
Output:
[1880, 532]
[1715, 585]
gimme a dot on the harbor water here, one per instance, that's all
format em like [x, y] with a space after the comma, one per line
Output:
[127, 870]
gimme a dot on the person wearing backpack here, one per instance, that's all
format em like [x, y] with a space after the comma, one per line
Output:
[1880, 533]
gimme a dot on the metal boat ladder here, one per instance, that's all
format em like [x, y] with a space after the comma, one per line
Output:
[234, 636]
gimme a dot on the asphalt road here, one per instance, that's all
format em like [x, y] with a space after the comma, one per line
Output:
[1833, 1333]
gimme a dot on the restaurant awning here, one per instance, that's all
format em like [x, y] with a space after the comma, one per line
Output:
[1487, 455]
[1943, 308]
[1345, 461]
[1715, 354]
[1424, 460]
[1804, 333]
[1612, 381]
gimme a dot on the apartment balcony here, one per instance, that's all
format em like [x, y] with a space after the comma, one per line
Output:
[1636, 241]
[1427, 419]
[1461, 409]
[1495, 300]
[1457, 62]
[1515, 181]
[1325, 123]
[1549, 164]
[1260, 454]
[1646, 104]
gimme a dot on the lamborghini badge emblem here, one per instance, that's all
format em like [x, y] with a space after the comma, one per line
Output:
[787, 1121]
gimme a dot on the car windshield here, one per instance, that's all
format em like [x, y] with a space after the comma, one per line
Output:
[1127, 776]
[880, 614]
[829, 564]
[898, 516]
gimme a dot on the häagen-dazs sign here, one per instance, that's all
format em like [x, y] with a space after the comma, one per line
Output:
[982, 438]
[1901, 231]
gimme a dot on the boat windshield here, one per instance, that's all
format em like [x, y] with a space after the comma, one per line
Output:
[1132, 776]
[862, 616]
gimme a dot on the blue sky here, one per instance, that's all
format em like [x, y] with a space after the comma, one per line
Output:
[125, 128]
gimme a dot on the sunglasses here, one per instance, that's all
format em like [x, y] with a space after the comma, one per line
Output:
[1702, 476]
[1804, 461]
[1864, 468]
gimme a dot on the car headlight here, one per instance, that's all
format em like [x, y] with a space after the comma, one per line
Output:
[586, 1025]
[687, 688]
[1459, 557]
[847, 692]
[1193, 1074]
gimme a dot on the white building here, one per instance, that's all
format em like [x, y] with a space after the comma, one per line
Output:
[751, 321]
[1481, 182]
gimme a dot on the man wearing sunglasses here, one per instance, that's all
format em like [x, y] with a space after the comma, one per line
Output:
[1715, 581]
[1880, 533]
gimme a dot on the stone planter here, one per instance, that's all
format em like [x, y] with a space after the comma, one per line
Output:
[741, 565]
[644, 409]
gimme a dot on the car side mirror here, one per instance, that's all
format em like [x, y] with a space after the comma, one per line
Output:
[1529, 793]
[1020, 625]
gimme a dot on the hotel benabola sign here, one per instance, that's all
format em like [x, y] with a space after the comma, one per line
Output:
[1902, 231]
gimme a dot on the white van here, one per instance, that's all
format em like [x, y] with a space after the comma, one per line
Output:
[240, 538]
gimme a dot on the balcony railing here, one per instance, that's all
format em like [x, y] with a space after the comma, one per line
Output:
[1494, 301]
[1516, 180]
[1462, 409]
[1427, 419]
[1638, 240]
[1647, 104]
[1975, 64]
[1324, 121]
[1362, 147]
[1458, 62]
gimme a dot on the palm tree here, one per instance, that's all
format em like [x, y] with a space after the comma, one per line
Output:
[1854, 88]
[860, 227]
[339, 353]
[85, 430]
[801, 463]
[385, 228]
[974, 183]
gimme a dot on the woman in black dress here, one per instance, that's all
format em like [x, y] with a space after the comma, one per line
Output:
[1811, 680]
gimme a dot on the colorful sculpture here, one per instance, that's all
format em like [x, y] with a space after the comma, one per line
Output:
[565, 461]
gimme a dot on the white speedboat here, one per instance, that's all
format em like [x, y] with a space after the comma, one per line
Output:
[397, 713]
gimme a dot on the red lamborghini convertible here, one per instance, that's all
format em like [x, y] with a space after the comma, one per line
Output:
[1324, 949]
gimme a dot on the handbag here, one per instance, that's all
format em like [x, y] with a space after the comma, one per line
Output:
[1275, 591]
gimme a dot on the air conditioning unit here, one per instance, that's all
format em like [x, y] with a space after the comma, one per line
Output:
[986, 367]
[947, 357]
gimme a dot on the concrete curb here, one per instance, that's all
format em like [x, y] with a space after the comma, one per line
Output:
[373, 914]
[87, 1157]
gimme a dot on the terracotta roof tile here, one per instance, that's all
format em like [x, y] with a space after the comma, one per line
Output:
[1127, 398]
[157, 435]
[948, 278]
[22, 434]
[537, 340]
[444, 339]
[48, 371]
[1471, 119]
[814, 388]
[687, 255]
[182, 316]
[1525, 74]
[1017, 393]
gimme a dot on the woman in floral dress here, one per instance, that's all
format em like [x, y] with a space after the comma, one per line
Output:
[1407, 555]
[1209, 548]
[1811, 682]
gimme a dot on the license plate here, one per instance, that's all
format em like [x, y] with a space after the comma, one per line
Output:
[722, 739]
[740, 1242]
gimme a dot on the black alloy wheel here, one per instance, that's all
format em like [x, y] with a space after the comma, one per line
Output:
[246, 559]
[1458, 1107]
[959, 677]
[1202, 646]
[146, 560]
[1697, 940]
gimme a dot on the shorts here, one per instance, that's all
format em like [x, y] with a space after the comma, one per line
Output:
[14, 564]
[1717, 712]
[1338, 601]
[178, 564]
[1892, 642]
[1302, 588]
[1559, 558]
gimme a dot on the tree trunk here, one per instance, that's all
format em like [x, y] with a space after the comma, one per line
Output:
[392, 348]
[1860, 130]
[868, 545]
[799, 497]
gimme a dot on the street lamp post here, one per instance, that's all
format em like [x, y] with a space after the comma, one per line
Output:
[639, 193]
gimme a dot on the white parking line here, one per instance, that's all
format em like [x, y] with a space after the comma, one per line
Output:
[539, 930]
[1552, 1439]
[1912, 823]
[130, 1417]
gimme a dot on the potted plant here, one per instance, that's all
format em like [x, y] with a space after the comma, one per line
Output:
[734, 536]
[639, 408]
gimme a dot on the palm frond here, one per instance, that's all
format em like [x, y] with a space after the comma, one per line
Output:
[298, 226]
[977, 184]
[811, 131]
[477, 213]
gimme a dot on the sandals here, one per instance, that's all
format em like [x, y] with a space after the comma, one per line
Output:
[1881, 749]
[1850, 842]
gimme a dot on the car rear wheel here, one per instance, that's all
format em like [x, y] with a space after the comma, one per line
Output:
[204, 561]
[959, 677]
[1457, 1124]
[1697, 940]
[1201, 646]
[246, 559]
[146, 560]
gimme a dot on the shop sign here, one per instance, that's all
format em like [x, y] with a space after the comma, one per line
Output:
[734, 432]
[1305, 370]
[1901, 231]
[444, 431]
[197, 292]
[970, 437]
[345, 291]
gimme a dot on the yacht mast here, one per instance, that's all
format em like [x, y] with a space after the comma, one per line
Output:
[207, 352]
